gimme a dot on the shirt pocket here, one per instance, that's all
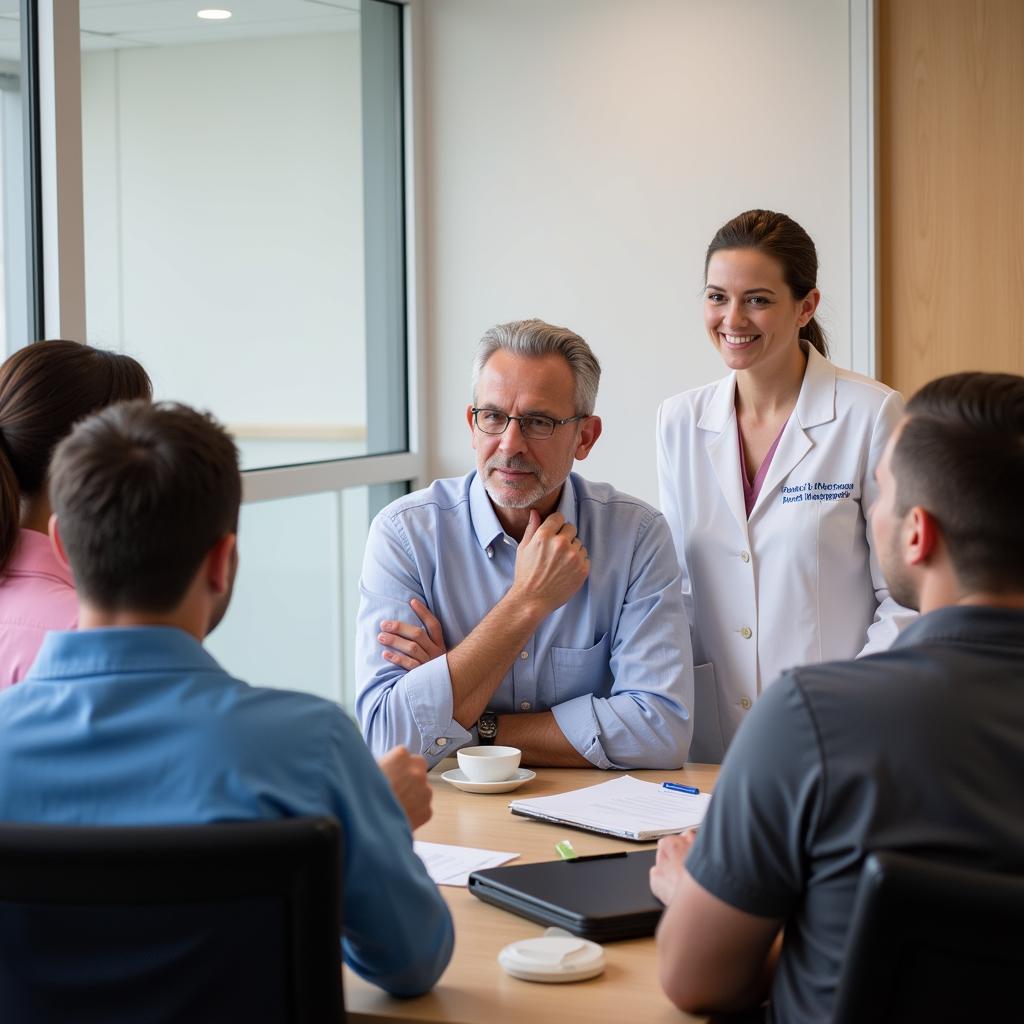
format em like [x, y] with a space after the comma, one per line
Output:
[580, 670]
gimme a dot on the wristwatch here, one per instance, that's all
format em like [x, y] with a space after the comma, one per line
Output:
[487, 728]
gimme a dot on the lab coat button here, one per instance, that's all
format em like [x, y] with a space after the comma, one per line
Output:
[745, 556]
[745, 703]
[746, 632]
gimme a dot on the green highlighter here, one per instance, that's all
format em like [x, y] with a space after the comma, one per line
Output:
[565, 850]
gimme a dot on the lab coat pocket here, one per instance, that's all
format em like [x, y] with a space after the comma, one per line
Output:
[581, 670]
[707, 746]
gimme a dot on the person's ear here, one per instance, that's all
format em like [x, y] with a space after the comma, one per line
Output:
[922, 536]
[590, 431]
[808, 306]
[57, 543]
[220, 562]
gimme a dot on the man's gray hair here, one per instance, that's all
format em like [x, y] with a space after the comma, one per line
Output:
[535, 338]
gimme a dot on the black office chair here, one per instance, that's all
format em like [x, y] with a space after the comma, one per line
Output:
[207, 923]
[933, 943]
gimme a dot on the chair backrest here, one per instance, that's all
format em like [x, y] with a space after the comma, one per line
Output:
[194, 923]
[933, 942]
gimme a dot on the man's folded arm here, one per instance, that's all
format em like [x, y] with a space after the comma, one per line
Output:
[396, 706]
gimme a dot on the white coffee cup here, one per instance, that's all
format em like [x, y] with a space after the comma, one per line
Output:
[489, 764]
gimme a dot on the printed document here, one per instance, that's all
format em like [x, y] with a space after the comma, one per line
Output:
[624, 807]
[452, 865]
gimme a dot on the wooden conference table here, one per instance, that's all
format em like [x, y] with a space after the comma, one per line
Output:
[474, 989]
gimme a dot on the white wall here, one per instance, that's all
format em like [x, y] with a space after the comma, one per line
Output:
[580, 154]
[224, 223]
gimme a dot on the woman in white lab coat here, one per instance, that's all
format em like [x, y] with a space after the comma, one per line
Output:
[766, 478]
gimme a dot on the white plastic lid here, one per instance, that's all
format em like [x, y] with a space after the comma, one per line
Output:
[557, 956]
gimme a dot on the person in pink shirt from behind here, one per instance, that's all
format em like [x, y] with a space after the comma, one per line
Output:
[45, 388]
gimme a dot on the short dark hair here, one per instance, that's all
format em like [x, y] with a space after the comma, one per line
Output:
[960, 456]
[142, 493]
[45, 388]
[780, 237]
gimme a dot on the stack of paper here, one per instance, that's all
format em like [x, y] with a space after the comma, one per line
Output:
[452, 865]
[625, 807]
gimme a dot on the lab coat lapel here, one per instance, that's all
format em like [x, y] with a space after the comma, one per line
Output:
[816, 404]
[723, 448]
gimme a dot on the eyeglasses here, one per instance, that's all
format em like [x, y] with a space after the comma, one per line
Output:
[490, 421]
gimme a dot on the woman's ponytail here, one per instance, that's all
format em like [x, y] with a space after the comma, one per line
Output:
[812, 331]
[10, 506]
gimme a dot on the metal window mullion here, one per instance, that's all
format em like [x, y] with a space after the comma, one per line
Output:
[33, 185]
[415, 235]
[317, 477]
[863, 178]
[60, 168]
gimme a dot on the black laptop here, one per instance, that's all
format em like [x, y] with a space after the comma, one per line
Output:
[602, 898]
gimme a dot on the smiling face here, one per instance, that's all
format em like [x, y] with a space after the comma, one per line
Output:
[750, 314]
[520, 473]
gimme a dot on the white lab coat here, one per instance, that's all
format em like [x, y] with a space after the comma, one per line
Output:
[798, 582]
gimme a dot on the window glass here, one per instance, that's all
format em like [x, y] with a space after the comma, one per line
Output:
[291, 622]
[14, 284]
[226, 218]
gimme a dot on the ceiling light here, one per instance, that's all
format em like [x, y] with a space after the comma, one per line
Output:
[213, 14]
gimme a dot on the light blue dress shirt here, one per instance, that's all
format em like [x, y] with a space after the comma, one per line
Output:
[141, 726]
[614, 663]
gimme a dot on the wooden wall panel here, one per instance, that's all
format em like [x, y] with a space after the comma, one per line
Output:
[950, 188]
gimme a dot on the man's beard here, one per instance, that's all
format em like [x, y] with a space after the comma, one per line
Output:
[531, 490]
[897, 578]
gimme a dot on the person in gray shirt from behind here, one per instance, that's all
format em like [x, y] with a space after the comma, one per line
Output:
[916, 750]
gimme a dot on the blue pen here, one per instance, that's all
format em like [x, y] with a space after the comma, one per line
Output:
[680, 788]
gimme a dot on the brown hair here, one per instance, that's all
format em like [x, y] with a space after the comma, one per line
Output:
[960, 455]
[142, 493]
[45, 388]
[780, 237]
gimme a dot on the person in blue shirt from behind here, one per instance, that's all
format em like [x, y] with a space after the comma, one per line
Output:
[550, 608]
[129, 721]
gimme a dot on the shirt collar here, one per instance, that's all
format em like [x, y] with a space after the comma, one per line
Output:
[969, 624]
[99, 652]
[34, 555]
[486, 526]
[816, 402]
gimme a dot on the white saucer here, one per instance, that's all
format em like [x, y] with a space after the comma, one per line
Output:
[458, 778]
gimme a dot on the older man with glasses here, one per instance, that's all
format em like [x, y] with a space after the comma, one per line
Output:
[522, 604]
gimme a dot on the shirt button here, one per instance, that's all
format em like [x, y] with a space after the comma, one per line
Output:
[746, 632]
[745, 703]
[524, 705]
[524, 655]
[442, 741]
[745, 556]
[490, 552]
